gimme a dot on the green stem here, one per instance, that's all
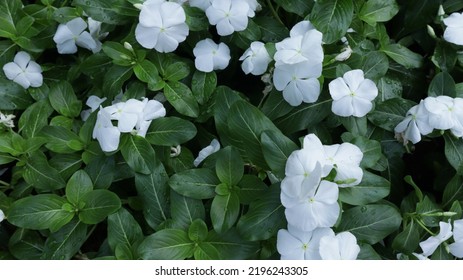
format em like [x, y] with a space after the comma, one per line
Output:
[274, 12]
[424, 227]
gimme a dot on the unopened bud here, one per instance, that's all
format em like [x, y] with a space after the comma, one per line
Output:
[128, 46]
[431, 31]
[441, 11]
[138, 6]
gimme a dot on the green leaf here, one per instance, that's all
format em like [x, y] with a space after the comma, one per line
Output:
[265, 217]
[390, 113]
[41, 175]
[299, 7]
[371, 150]
[453, 191]
[251, 188]
[78, 185]
[43, 211]
[408, 240]
[403, 56]
[195, 18]
[138, 153]
[153, 191]
[206, 251]
[98, 204]
[444, 56]
[197, 230]
[102, 171]
[304, 116]
[389, 88]
[225, 98]
[176, 71]
[272, 30]
[63, 99]
[275, 106]
[203, 85]
[66, 164]
[66, 242]
[170, 131]
[185, 210]
[9, 11]
[231, 245]
[225, 210]
[442, 84]
[61, 140]
[13, 96]
[147, 72]
[375, 65]
[120, 55]
[26, 244]
[167, 244]
[123, 229]
[108, 11]
[181, 98]
[454, 152]
[426, 207]
[370, 223]
[276, 148]
[442, 253]
[197, 183]
[332, 18]
[115, 78]
[371, 189]
[245, 124]
[367, 253]
[374, 11]
[229, 166]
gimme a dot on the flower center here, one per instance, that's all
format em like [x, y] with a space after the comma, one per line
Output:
[352, 93]
[311, 200]
[305, 247]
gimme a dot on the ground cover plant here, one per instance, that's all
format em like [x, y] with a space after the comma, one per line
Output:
[231, 129]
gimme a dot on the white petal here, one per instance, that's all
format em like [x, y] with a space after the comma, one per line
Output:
[67, 47]
[86, 40]
[22, 80]
[204, 63]
[429, 245]
[165, 43]
[289, 246]
[11, 70]
[153, 110]
[150, 15]
[62, 34]
[301, 28]
[76, 26]
[310, 89]
[454, 20]
[178, 32]
[456, 249]
[146, 36]
[172, 14]
[94, 102]
[361, 106]
[367, 90]
[35, 79]
[282, 76]
[302, 217]
[327, 193]
[458, 230]
[109, 139]
[2, 215]
[22, 59]
[453, 35]
[292, 94]
[329, 248]
[338, 89]
[224, 27]
[213, 147]
[353, 79]
[127, 122]
[343, 107]
[33, 67]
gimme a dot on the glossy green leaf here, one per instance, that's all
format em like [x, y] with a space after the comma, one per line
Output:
[61, 140]
[229, 166]
[8, 15]
[147, 72]
[167, 244]
[26, 244]
[454, 151]
[13, 96]
[453, 191]
[43, 211]
[390, 113]
[195, 183]
[138, 154]
[108, 11]
[185, 210]
[442, 84]
[197, 230]
[276, 148]
[224, 211]
[170, 131]
[203, 85]
[153, 191]
[41, 175]
[371, 189]
[332, 18]
[78, 185]
[123, 229]
[98, 204]
[251, 188]
[299, 7]
[374, 11]
[407, 241]
[403, 56]
[181, 97]
[176, 71]
[63, 99]
[66, 242]
[370, 223]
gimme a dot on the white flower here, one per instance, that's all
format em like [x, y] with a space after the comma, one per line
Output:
[300, 48]
[70, 35]
[210, 56]
[352, 94]
[253, 7]
[345, 54]
[456, 248]
[7, 120]
[228, 15]
[345, 158]
[415, 124]
[343, 246]
[94, 27]
[300, 28]
[454, 31]
[207, 151]
[294, 244]
[161, 26]
[298, 82]
[94, 103]
[152, 109]
[201, 4]
[445, 113]
[430, 245]
[255, 59]
[24, 71]
[317, 207]
[2, 215]
[105, 132]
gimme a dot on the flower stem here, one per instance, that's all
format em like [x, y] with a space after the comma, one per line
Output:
[424, 227]
[274, 12]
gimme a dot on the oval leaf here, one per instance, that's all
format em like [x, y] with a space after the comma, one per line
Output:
[167, 244]
[98, 204]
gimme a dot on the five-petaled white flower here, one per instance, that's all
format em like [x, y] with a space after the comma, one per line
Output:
[24, 71]
[454, 31]
[161, 25]
[298, 82]
[430, 245]
[300, 47]
[343, 246]
[445, 113]
[228, 15]
[207, 151]
[210, 56]
[345, 158]
[415, 124]
[352, 94]
[294, 244]
[71, 34]
[255, 59]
